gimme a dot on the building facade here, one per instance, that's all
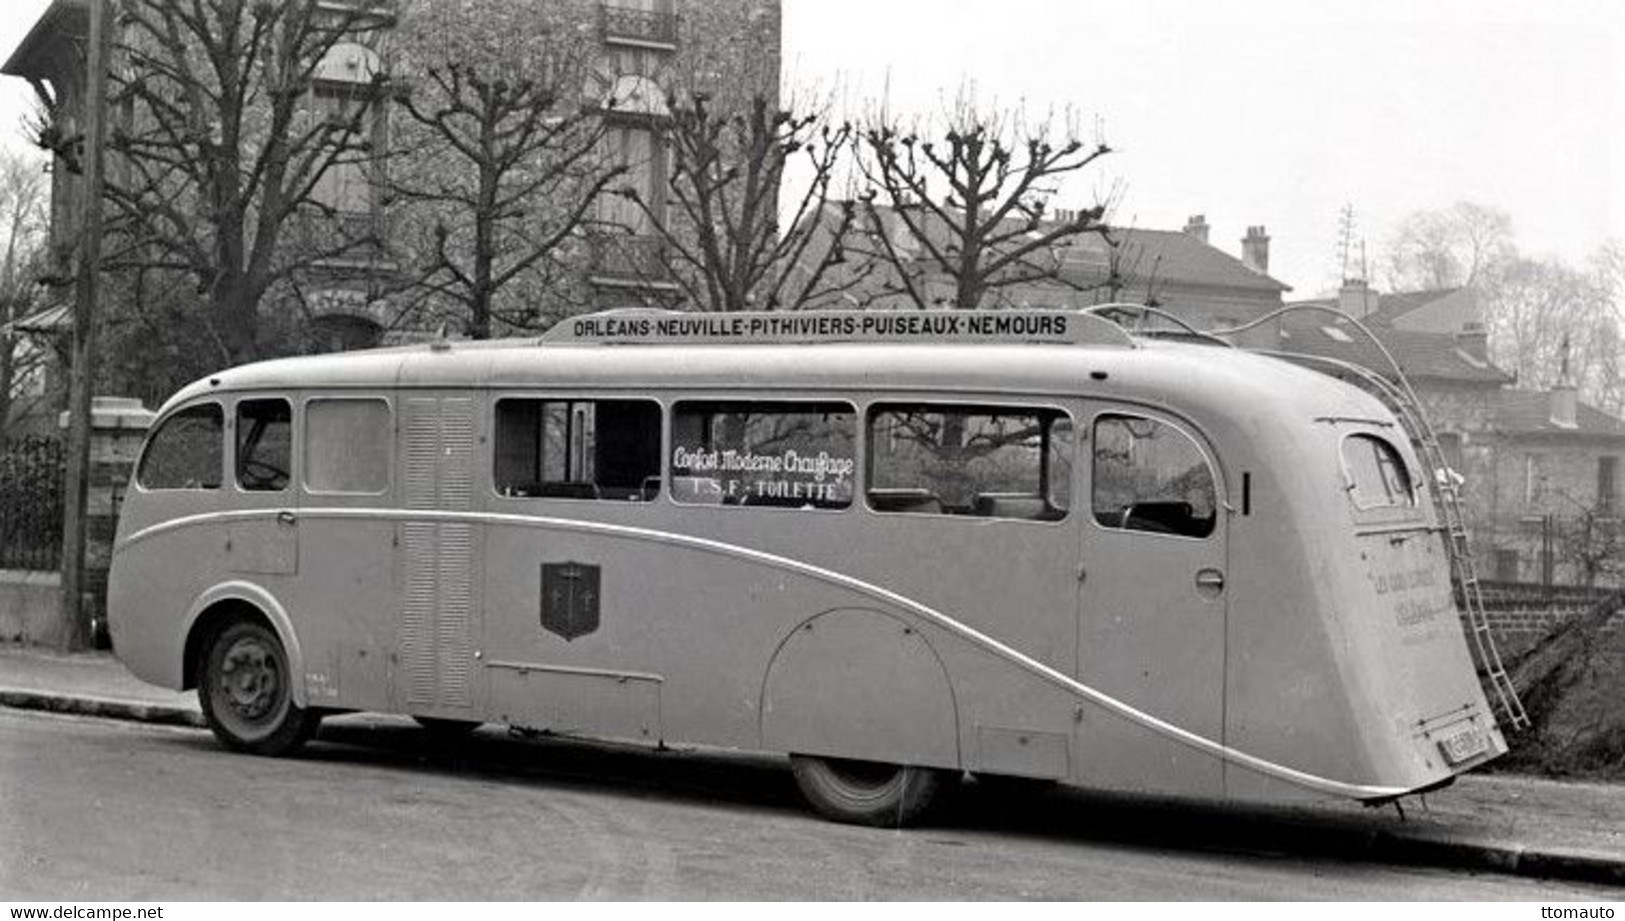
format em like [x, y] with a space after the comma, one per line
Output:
[629, 55]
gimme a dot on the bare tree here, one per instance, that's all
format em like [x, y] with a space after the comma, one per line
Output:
[1542, 314]
[499, 167]
[728, 244]
[970, 204]
[226, 143]
[1454, 247]
[22, 223]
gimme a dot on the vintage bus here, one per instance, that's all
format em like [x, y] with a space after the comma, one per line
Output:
[896, 547]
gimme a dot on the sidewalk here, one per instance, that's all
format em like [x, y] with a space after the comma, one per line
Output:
[1500, 823]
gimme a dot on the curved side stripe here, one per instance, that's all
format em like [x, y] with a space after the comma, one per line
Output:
[970, 634]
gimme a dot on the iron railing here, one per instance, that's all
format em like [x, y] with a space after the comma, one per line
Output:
[635, 259]
[31, 477]
[625, 25]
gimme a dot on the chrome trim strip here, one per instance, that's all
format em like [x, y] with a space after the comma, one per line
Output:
[975, 637]
[570, 670]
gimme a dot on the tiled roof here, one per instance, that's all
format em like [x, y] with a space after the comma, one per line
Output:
[1529, 412]
[1394, 305]
[1434, 356]
[1169, 256]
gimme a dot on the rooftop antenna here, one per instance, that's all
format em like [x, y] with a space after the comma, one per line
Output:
[1345, 241]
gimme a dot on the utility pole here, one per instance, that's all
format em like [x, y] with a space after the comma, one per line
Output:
[75, 615]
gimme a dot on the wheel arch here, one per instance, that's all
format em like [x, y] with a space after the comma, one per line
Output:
[225, 602]
[898, 705]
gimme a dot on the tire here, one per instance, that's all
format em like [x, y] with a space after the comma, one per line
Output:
[866, 792]
[245, 690]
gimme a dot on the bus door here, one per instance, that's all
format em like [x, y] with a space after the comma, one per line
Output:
[1153, 608]
[346, 595]
[265, 542]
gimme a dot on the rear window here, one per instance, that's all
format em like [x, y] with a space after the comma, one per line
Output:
[1376, 474]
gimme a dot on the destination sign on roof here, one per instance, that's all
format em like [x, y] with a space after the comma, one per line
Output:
[890, 326]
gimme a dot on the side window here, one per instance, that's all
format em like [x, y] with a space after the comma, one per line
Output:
[1377, 477]
[578, 449]
[347, 445]
[187, 451]
[1150, 476]
[777, 454]
[986, 461]
[264, 444]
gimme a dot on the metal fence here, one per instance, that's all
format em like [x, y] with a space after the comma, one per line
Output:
[31, 478]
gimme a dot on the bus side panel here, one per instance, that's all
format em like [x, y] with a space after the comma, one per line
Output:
[1288, 671]
[151, 588]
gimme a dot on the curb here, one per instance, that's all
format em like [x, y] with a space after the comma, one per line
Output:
[105, 707]
[1378, 847]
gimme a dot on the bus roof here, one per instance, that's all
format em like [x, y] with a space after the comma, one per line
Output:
[1096, 363]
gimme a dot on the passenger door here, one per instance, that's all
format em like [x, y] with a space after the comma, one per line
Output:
[1153, 610]
[348, 596]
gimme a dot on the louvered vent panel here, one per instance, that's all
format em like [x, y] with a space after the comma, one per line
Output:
[422, 451]
[456, 644]
[416, 638]
[457, 456]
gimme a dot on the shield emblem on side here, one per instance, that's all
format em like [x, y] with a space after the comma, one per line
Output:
[570, 599]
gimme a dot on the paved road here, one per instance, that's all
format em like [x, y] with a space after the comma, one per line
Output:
[93, 809]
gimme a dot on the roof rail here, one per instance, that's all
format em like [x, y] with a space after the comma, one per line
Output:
[639, 326]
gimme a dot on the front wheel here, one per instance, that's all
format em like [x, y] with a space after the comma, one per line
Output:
[865, 792]
[246, 692]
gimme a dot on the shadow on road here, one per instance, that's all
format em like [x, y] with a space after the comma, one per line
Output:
[763, 783]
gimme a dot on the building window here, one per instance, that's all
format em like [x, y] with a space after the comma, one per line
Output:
[1534, 479]
[1450, 447]
[345, 184]
[1607, 470]
[1506, 565]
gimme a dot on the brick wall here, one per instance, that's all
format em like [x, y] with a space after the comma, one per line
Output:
[1520, 613]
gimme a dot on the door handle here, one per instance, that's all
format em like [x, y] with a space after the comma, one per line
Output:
[286, 517]
[1209, 583]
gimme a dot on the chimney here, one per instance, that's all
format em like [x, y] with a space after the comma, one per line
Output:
[1356, 298]
[1565, 396]
[1196, 226]
[1474, 339]
[1255, 250]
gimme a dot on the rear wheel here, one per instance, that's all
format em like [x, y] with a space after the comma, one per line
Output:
[246, 692]
[866, 792]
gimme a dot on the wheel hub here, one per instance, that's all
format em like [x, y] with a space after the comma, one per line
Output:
[250, 679]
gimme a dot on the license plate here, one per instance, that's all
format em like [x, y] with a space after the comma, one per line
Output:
[1463, 743]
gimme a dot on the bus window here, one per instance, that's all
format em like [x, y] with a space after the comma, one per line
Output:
[578, 449]
[264, 444]
[1377, 477]
[187, 451]
[1150, 476]
[987, 461]
[347, 445]
[776, 454]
